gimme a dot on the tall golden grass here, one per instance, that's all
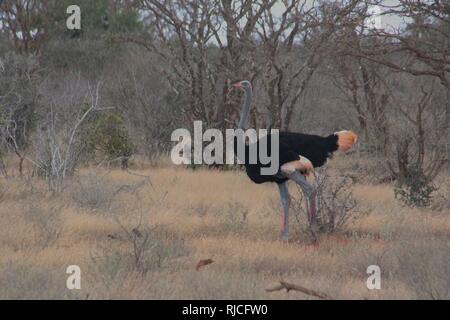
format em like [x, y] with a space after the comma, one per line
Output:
[190, 216]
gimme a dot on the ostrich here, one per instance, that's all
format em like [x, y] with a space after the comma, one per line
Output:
[299, 154]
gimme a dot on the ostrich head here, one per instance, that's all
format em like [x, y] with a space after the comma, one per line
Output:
[243, 85]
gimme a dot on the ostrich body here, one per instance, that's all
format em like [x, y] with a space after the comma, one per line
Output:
[299, 154]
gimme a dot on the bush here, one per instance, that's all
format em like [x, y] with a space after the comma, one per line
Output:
[139, 250]
[234, 217]
[47, 222]
[415, 190]
[94, 192]
[335, 205]
[101, 194]
[109, 136]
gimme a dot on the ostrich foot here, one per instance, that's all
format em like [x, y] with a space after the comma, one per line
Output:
[284, 236]
[284, 233]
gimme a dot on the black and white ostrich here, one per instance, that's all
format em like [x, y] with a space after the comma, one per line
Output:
[299, 154]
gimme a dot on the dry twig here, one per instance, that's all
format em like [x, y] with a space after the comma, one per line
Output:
[290, 286]
[203, 263]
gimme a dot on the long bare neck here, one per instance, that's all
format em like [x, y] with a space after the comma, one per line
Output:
[245, 108]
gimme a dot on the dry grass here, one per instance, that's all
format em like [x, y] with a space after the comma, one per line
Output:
[185, 216]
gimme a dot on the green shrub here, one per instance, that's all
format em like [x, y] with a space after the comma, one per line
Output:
[415, 190]
[106, 134]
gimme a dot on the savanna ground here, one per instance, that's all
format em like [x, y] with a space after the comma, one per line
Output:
[135, 237]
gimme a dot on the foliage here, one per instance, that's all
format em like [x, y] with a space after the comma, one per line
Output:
[19, 102]
[336, 206]
[89, 49]
[415, 190]
[97, 17]
[107, 134]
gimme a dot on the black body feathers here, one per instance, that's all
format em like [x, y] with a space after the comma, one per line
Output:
[291, 145]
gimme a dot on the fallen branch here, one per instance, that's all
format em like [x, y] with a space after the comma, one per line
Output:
[291, 286]
[203, 263]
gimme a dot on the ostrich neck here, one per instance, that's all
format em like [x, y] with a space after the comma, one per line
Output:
[245, 109]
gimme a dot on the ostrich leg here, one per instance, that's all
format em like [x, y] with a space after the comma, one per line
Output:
[285, 202]
[308, 191]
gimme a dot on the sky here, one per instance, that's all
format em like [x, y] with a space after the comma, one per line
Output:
[378, 20]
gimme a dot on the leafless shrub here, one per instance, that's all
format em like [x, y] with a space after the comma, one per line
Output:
[140, 96]
[202, 209]
[365, 168]
[47, 221]
[19, 189]
[335, 204]
[141, 247]
[441, 201]
[233, 217]
[136, 249]
[56, 148]
[20, 77]
[256, 44]
[95, 191]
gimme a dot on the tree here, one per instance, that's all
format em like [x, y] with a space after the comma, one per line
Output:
[57, 148]
[420, 140]
[206, 45]
[425, 42]
[24, 22]
[107, 134]
[19, 82]
[389, 77]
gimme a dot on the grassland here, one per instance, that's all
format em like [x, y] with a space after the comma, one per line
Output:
[139, 238]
